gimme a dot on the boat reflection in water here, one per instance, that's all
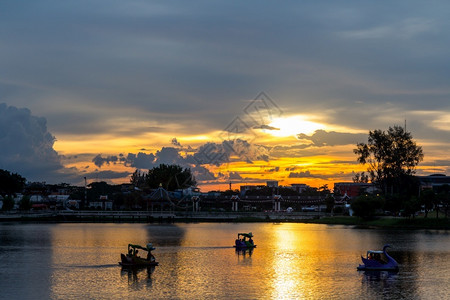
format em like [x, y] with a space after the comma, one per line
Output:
[376, 283]
[379, 275]
[244, 257]
[244, 252]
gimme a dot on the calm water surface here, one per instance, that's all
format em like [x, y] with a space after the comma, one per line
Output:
[197, 261]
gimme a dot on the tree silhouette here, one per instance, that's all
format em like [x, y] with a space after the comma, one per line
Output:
[170, 177]
[391, 157]
[10, 183]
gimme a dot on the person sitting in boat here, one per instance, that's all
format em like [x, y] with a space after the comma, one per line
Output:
[378, 257]
[150, 256]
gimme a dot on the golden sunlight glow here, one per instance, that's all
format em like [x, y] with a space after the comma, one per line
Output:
[293, 125]
[439, 120]
[288, 165]
[442, 122]
[109, 144]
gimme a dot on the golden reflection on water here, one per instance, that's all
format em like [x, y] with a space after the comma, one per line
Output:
[87, 255]
[197, 261]
[289, 261]
[286, 262]
[308, 262]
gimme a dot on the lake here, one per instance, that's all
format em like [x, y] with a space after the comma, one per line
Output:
[197, 261]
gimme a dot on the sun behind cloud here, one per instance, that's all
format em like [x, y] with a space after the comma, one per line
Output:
[293, 125]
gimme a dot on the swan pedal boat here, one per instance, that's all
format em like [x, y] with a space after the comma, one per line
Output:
[377, 260]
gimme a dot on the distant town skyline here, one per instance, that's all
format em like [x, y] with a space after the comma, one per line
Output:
[243, 93]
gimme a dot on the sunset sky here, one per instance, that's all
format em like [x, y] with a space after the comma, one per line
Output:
[240, 92]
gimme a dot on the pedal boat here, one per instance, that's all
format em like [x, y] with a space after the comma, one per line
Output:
[377, 260]
[244, 241]
[131, 259]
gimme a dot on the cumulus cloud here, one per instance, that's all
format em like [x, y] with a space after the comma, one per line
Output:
[28, 150]
[100, 161]
[249, 152]
[202, 174]
[169, 155]
[218, 154]
[140, 161]
[27, 146]
[175, 142]
[213, 154]
[208, 154]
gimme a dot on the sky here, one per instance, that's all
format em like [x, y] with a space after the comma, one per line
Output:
[237, 91]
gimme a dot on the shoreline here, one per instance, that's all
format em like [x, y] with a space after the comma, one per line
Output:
[139, 217]
[388, 222]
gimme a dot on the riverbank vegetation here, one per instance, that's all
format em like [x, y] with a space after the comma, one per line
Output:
[419, 222]
[392, 157]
